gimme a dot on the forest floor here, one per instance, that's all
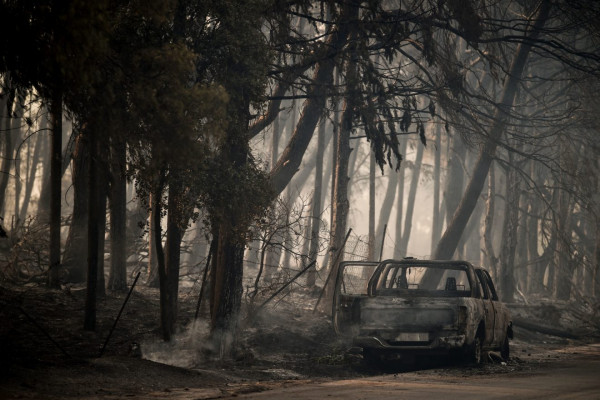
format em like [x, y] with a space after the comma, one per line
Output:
[45, 353]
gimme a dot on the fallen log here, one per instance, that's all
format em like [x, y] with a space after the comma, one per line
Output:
[533, 326]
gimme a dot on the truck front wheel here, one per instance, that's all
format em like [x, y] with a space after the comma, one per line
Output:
[505, 349]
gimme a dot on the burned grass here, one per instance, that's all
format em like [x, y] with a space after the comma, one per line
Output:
[45, 351]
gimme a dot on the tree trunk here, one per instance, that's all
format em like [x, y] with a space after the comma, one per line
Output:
[55, 198]
[200, 245]
[315, 212]
[273, 252]
[75, 256]
[385, 211]
[436, 223]
[305, 249]
[226, 292]
[271, 261]
[15, 133]
[472, 239]
[229, 228]
[328, 184]
[35, 160]
[334, 159]
[93, 236]
[277, 132]
[400, 202]
[18, 181]
[227, 263]
[454, 184]
[491, 260]
[340, 205]
[353, 169]
[152, 279]
[521, 260]
[175, 232]
[548, 256]
[7, 103]
[290, 199]
[535, 274]
[291, 158]
[596, 261]
[461, 251]
[156, 206]
[102, 184]
[562, 263]
[118, 218]
[510, 230]
[44, 202]
[137, 221]
[287, 234]
[410, 206]
[451, 236]
[371, 244]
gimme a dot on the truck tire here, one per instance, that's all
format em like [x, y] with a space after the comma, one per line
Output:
[474, 351]
[505, 349]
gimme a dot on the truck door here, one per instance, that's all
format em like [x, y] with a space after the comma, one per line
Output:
[351, 286]
[498, 324]
[488, 305]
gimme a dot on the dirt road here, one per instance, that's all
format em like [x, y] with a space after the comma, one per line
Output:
[574, 375]
[565, 373]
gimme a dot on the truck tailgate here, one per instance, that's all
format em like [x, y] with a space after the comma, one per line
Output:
[408, 314]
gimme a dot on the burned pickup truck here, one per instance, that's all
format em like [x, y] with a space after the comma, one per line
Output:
[399, 308]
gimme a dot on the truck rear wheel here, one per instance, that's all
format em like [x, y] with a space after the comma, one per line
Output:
[474, 351]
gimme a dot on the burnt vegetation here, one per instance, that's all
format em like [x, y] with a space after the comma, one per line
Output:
[228, 155]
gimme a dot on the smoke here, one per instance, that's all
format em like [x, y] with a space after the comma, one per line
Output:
[186, 349]
[285, 329]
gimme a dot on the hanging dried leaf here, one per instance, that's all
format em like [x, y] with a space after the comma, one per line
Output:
[422, 134]
[432, 108]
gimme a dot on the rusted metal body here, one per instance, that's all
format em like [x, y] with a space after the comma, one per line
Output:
[412, 306]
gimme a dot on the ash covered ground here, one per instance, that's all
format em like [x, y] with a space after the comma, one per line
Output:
[46, 353]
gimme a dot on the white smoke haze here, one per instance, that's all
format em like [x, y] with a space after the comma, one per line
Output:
[284, 330]
[187, 349]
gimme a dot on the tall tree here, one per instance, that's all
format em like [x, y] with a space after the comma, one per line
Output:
[400, 206]
[340, 205]
[509, 237]
[410, 205]
[271, 263]
[315, 212]
[75, 254]
[436, 222]
[451, 236]
[56, 108]
[490, 258]
[10, 116]
[43, 59]
[371, 240]
[118, 218]
[454, 184]
[239, 193]
[386, 210]
[93, 234]
[33, 167]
